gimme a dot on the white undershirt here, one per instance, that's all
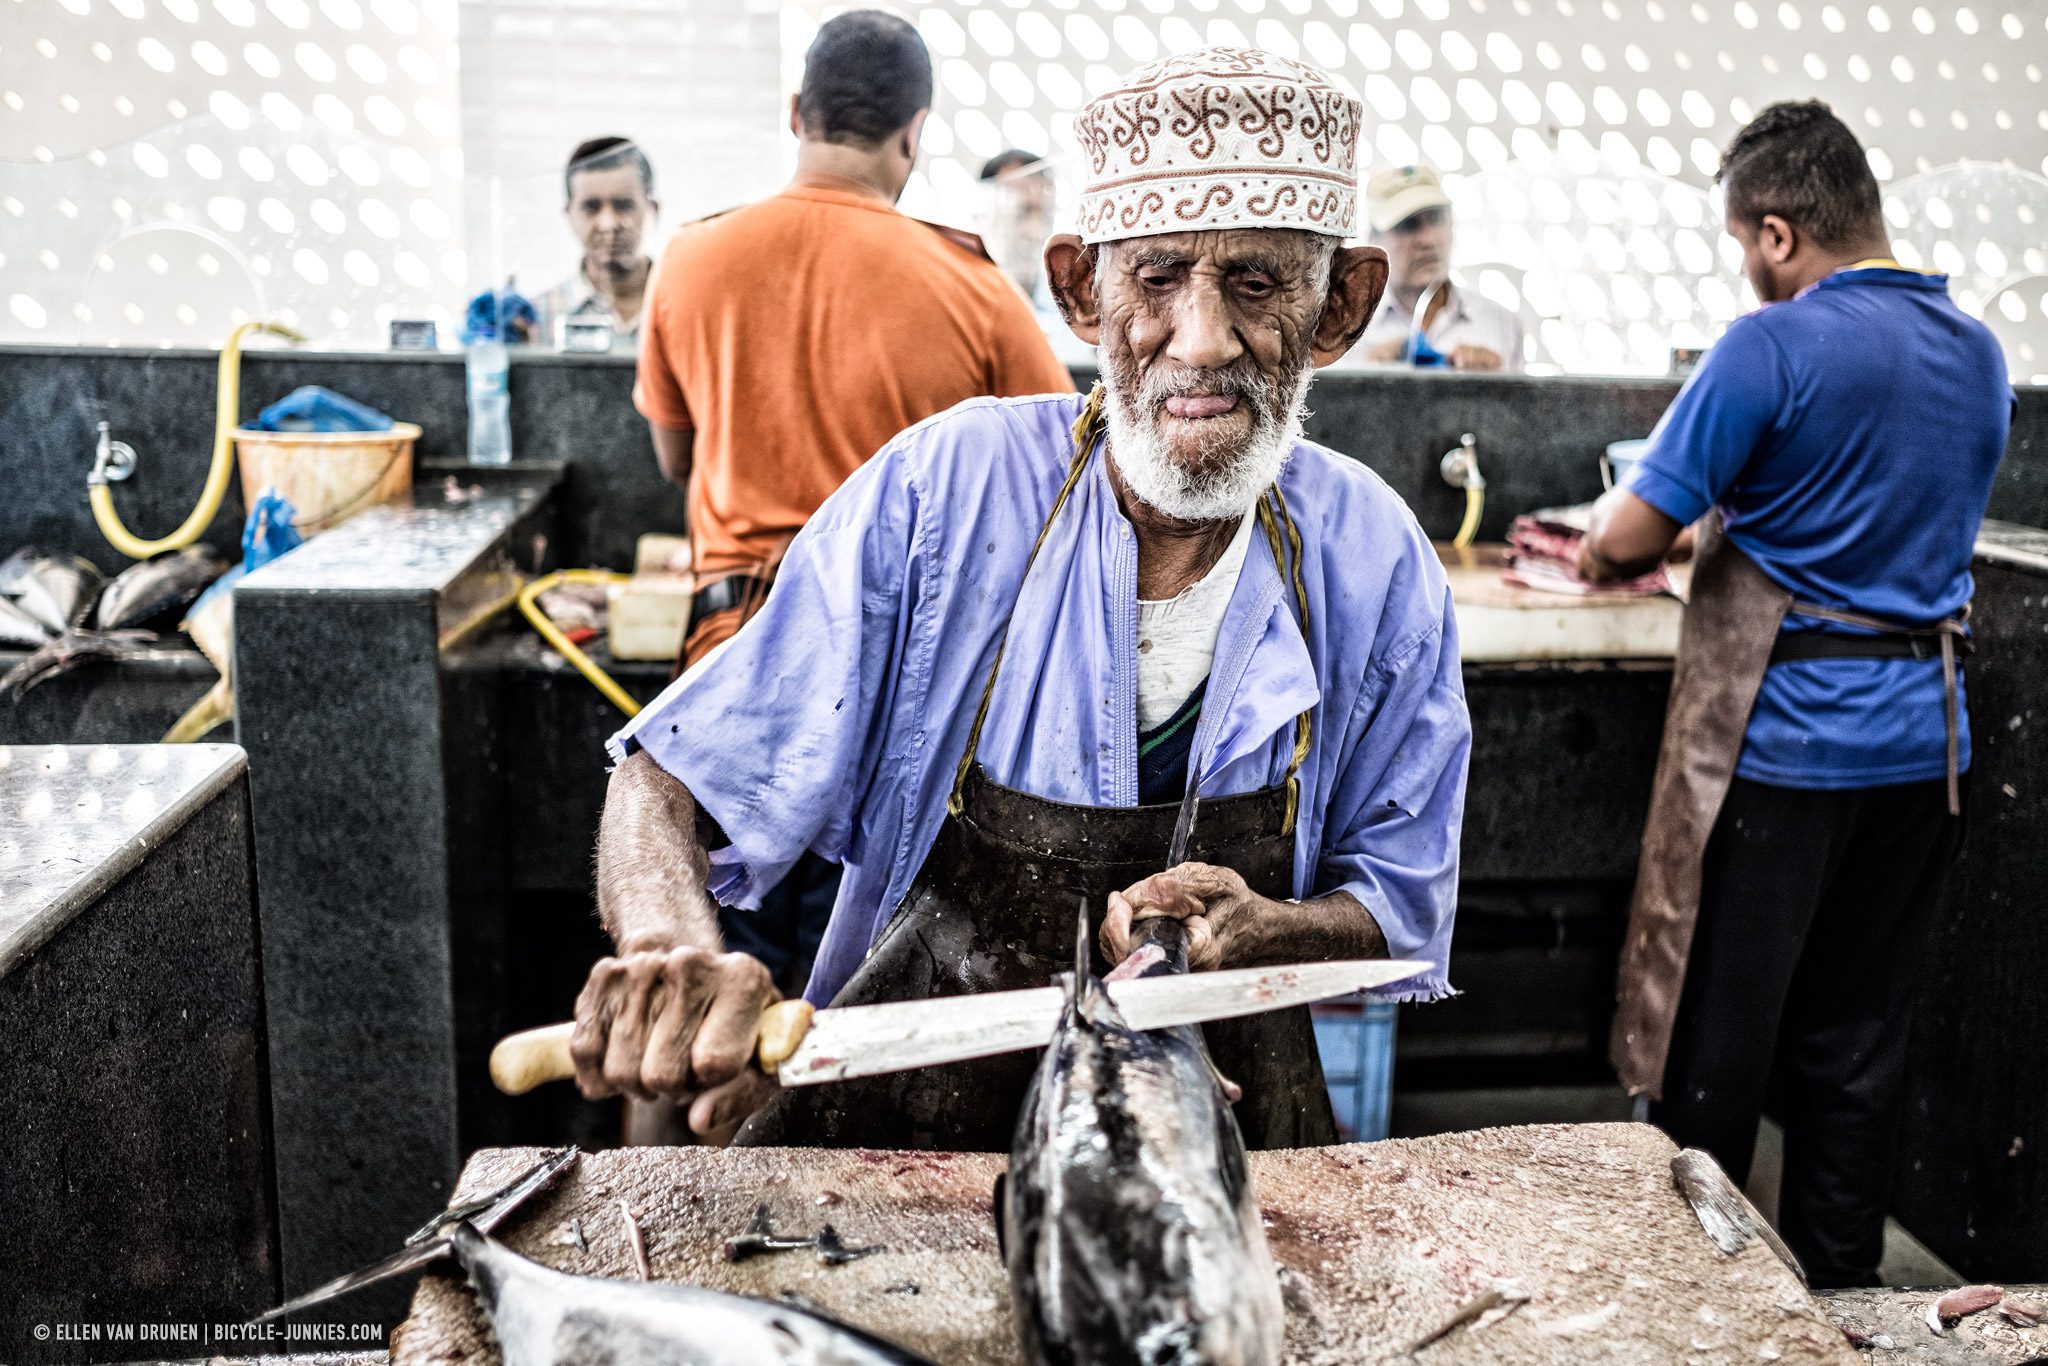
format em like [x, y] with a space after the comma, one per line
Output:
[1177, 635]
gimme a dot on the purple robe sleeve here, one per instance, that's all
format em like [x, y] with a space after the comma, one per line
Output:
[1393, 824]
[777, 733]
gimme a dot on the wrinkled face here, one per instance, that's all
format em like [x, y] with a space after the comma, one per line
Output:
[608, 211]
[1418, 249]
[1206, 340]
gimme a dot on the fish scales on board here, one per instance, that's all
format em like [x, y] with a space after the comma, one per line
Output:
[1128, 1221]
[543, 1317]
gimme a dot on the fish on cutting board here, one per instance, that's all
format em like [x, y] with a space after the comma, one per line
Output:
[543, 1317]
[154, 588]
[1127, 1218]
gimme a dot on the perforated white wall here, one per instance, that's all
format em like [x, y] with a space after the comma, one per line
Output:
[169, 165]
[1578, 137]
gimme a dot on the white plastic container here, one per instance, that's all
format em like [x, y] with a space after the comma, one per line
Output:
[490, 403]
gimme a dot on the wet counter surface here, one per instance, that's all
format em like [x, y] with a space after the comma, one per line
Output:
[1380, 1244]
[76, 819]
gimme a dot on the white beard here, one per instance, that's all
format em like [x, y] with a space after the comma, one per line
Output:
[1154, 477]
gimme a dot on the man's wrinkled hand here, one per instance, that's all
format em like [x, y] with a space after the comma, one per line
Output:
[681, 1024]
[1210, 902]
[1474, 358]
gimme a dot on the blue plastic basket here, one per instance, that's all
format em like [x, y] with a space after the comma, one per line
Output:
[1356, 1040]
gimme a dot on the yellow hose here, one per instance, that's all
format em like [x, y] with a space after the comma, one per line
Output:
[226, 413]
[1475, 501]
[529, 607]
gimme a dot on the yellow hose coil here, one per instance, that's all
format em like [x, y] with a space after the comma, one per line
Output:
[529, 607]
[226, 412]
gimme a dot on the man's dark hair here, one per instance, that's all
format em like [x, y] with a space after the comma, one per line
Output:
[601, 154]
[866, 77]
[1003, 161]
[1800, 162]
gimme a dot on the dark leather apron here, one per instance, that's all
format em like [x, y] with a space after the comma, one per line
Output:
[1729, 639]
[992, 909]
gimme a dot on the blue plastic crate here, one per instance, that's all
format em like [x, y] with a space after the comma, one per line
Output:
[1356, 1040]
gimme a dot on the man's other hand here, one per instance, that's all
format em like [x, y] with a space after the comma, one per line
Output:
[1474, 358]
[678, 1023]
[1211, 903]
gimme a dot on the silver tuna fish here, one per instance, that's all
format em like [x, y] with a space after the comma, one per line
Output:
[549, 1318]
[154, 588]
[1128, 1220]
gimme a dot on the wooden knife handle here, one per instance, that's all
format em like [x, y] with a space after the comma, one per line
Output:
[524, 1060]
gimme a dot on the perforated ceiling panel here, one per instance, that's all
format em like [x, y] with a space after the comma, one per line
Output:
[1578, 137]
[168, 167]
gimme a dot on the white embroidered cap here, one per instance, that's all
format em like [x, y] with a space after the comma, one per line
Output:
[1223, 138]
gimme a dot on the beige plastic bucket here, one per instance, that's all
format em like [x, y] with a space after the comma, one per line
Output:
[328, 476]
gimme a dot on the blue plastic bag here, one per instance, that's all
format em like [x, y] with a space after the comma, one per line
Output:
[311, 408]
[506, 317]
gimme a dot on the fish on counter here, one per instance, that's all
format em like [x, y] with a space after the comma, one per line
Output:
[46, 597]
[52, 589]
[1127, 1218]
[551, 1318]
[156, 588]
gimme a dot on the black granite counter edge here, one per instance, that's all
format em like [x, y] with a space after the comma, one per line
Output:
[532, 487]
[2021, 547]
[16, 945]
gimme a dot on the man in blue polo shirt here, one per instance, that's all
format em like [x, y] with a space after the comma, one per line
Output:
[1840, 444]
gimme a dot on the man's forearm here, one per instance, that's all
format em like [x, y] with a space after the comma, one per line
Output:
[1313, 931]
[652, 872]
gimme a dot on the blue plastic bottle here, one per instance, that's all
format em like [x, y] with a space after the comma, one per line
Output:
[490, 401]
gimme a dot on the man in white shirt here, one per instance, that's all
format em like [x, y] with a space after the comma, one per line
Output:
[609, 201]
[1411, 221]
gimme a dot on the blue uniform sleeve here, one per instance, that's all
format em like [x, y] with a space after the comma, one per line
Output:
[1397, 811]
[775, 733]
[1718, 421]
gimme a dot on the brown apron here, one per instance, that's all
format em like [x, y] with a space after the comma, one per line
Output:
[1731, 625]
[992, 909]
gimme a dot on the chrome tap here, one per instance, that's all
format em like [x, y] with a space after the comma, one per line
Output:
[112, 460]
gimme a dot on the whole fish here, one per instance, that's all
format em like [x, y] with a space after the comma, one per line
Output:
[142, 592]
[550, 1318]
[53, 589]
[18, 628]
[1127, 1216]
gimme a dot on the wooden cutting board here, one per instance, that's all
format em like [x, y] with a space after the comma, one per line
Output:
[1380, 1243]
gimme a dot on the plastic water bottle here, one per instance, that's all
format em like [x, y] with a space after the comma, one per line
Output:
[490, 402]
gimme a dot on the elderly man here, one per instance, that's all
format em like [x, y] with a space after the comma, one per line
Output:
[1001, 653]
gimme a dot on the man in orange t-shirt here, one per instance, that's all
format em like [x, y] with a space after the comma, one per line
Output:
[787, 341]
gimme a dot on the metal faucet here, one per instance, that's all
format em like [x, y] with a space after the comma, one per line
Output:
[1460, 465]
[112, 460]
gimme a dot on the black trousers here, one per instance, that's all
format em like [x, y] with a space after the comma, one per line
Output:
[1797, 997]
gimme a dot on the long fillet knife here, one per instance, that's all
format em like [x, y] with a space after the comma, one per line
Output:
[802, 1047]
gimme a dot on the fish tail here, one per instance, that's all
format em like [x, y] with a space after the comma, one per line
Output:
[457, 1232]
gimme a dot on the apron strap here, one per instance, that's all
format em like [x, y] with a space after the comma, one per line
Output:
[1948, 630]
[1087, 433]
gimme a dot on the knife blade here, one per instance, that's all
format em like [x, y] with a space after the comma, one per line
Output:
[865, 1041]
[803, 1047]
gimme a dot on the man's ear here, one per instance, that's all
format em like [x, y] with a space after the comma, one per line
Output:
[1070, 274]
[1777, 239]
[911, 134]
[1358, 276]
[796, 116]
